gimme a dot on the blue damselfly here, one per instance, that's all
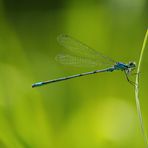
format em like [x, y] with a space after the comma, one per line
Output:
[82, 54]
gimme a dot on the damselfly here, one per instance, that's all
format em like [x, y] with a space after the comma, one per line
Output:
[82, 54]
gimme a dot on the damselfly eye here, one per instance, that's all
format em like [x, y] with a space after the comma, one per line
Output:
[132, 64]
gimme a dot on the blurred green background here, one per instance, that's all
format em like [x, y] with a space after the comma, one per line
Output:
[96, 111]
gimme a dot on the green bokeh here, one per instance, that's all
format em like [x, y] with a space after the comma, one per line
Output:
[96, 111]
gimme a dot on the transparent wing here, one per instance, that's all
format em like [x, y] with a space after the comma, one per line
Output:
[77, 48]
[76, 61]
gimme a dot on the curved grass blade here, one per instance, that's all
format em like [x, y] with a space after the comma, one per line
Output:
[137, 92]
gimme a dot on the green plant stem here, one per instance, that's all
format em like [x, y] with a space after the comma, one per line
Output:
[137, 91]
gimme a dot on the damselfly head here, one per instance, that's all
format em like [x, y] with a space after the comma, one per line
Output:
[132, 64]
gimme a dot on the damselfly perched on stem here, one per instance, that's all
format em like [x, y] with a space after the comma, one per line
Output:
[82, 54]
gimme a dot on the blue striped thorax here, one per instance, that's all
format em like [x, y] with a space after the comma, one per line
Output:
[123, 66]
